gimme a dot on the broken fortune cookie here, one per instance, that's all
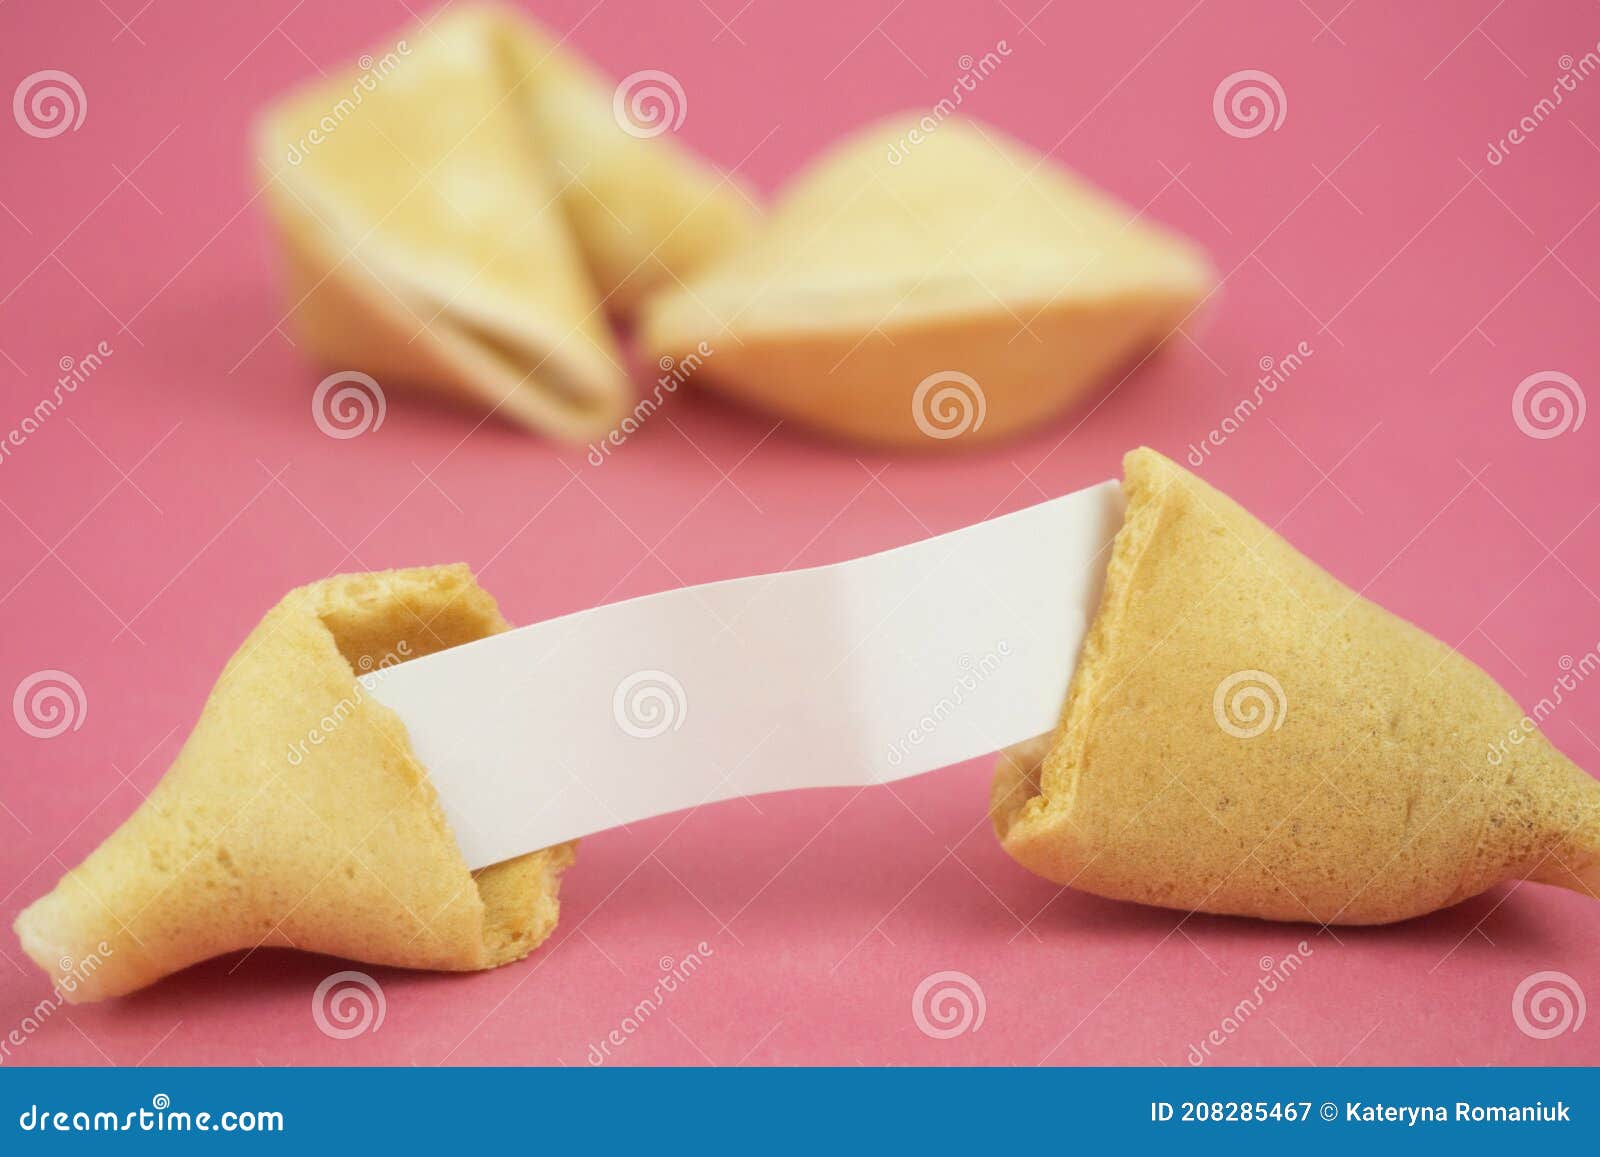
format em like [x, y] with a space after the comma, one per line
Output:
[297, 815]
[1242, 735]
[1245, 735]
[954, 290]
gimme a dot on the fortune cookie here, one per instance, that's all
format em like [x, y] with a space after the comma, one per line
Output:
[297, 815]
[927, 289]
[1245, 735]
[458, 215]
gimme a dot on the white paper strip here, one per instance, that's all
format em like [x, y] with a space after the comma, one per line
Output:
[858, 673]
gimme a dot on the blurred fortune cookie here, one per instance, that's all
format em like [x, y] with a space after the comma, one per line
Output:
[1242, 735]
[462, 212]
[1245, 735]
[931, 289]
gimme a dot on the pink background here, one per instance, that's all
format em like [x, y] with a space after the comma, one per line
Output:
[178, 494]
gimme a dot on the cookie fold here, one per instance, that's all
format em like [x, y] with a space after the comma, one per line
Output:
[1245, 735]
[645, 210]
[297, 815]
[931, 289]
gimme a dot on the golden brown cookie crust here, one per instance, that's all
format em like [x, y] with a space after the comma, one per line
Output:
[297, 815]
[1372, 792]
